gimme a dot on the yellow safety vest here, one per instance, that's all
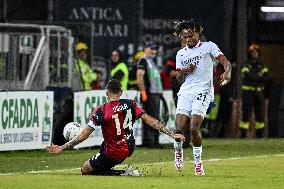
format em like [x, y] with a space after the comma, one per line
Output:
[121, 66]
[88, 75]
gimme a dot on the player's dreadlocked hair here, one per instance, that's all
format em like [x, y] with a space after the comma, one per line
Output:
[192, 26]
[114, 86]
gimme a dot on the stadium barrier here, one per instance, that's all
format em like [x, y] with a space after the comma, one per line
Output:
[34, 56]
[25, 120]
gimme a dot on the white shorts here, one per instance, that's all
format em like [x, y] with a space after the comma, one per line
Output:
[194, 103]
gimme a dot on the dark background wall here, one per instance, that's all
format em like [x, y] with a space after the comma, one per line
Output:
[23, 10]
[209, 13]
[161, 14]
[214, 15]
[156, 21]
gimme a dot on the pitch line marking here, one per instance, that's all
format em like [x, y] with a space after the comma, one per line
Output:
[157, 163]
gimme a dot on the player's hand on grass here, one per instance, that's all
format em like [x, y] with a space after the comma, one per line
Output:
[54, 149]
[179, 137]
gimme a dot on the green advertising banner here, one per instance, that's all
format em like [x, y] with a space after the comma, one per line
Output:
[86, 101]
[25, 120]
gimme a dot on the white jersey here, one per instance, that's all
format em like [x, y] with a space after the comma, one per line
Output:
[203, 57]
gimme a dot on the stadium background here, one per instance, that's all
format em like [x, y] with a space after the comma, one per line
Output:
[39, 89]
[127, 24]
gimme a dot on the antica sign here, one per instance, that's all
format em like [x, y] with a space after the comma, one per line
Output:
[114, 19]
[111, 22]
[102, 14]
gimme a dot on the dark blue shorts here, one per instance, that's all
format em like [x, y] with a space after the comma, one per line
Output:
[101, 162]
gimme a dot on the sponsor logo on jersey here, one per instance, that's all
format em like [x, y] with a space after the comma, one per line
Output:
[195, 60]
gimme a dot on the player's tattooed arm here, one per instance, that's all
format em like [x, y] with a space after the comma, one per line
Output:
[226, 76]
[55, 149]
[155, 124]
[225, 62]
[78, 139]
[71, 143]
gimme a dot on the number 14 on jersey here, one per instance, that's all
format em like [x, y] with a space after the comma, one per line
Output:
[127, 122]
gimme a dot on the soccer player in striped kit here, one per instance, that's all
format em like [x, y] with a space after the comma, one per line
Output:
[116, 118]
[195, 65]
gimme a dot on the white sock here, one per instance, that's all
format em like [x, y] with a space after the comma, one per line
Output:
[178, 145]
[197, 151]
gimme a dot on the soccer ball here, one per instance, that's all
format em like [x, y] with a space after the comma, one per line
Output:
[71, 130]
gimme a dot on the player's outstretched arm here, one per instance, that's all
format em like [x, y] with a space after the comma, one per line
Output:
[226, 76]
[55, 149]
[155, 124]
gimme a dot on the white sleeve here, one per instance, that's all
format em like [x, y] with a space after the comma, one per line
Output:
[178, 61]
[214, 49]
[91, 124]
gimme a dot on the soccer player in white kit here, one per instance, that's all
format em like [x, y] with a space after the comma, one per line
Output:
[195, 65]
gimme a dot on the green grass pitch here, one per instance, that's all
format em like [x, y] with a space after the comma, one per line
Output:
[228, 163]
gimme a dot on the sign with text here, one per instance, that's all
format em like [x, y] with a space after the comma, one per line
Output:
[112, 23]
[25, 120]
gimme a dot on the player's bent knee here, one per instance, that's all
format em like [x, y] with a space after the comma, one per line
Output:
[86, 169]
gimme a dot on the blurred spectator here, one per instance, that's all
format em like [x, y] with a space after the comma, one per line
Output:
[96, 85]
[87, 74]
[132, 82]
[150, 86]
[166, 80]
[254, 75]
[171, 69]
[119, 69]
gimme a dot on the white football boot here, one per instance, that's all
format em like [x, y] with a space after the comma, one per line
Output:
[199, 170]
[178, 151]
[130, 171]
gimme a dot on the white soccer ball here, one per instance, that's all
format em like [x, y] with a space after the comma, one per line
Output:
[71, 130]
